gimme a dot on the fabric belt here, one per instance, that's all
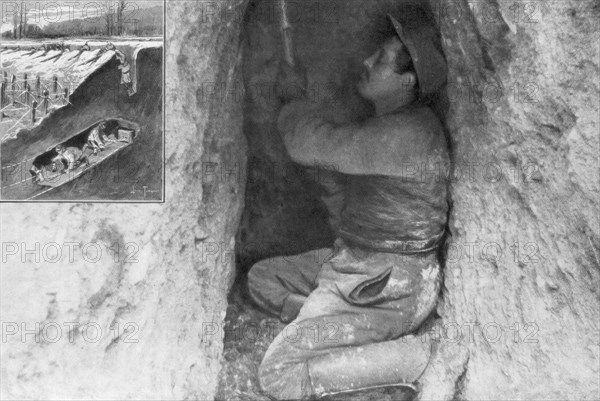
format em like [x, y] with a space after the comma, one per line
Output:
[394, 246]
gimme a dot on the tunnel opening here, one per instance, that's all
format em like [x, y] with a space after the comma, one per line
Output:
[284, 214]
[115, 130]
[113, 135]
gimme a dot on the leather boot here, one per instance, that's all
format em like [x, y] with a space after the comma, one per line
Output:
[397, 363]
[397, 392]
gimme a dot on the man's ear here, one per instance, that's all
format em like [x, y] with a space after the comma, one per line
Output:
[409, 80]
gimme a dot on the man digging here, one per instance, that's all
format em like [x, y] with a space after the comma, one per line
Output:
[352, 314]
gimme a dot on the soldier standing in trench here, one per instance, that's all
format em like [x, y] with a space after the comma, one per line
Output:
[352, 315]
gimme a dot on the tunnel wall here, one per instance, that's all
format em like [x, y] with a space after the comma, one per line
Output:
[522, 273]
[173, 289]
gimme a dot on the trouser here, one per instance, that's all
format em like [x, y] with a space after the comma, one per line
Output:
[351, 316]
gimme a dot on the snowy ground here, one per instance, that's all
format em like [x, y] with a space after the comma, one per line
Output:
[71, 67]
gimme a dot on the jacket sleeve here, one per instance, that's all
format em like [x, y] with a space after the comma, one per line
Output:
[391, 145]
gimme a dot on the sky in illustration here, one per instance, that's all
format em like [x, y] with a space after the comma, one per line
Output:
[42, 13]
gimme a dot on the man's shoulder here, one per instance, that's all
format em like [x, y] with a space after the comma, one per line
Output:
[415, 113]
[74, 150]
[414, 134]
[419, 120]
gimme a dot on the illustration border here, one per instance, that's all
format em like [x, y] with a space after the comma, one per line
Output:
[164, 153]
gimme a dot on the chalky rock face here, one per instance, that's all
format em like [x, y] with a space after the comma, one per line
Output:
[164, 270]
[522, 270]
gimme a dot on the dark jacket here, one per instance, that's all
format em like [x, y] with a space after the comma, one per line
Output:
[394, 171]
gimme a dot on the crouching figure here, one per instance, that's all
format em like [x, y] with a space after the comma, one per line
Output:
[71, 157]
[353, 309]
[95, 138]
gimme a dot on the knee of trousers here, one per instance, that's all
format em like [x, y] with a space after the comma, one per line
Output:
[258, 274]
[283, 373]
[265, 289]
[258, 277]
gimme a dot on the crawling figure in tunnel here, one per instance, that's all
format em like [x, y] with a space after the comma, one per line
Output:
[96, 138]
[71, 157]
[353, 310]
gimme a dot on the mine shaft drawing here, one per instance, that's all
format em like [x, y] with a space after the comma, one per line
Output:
[81, 105]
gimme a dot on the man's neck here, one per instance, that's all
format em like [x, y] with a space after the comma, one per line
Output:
[392, 104]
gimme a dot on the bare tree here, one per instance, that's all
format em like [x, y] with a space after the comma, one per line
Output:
[16, 22]
[114, 18]
[120, 9]
[108, 22]
[23, 19]
[20, 21]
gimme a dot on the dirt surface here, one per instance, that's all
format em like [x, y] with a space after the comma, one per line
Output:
[248, 334]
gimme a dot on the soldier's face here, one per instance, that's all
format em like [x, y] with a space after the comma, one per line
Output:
[380, 78]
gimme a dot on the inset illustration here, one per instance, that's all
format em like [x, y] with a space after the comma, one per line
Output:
[81, 102]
